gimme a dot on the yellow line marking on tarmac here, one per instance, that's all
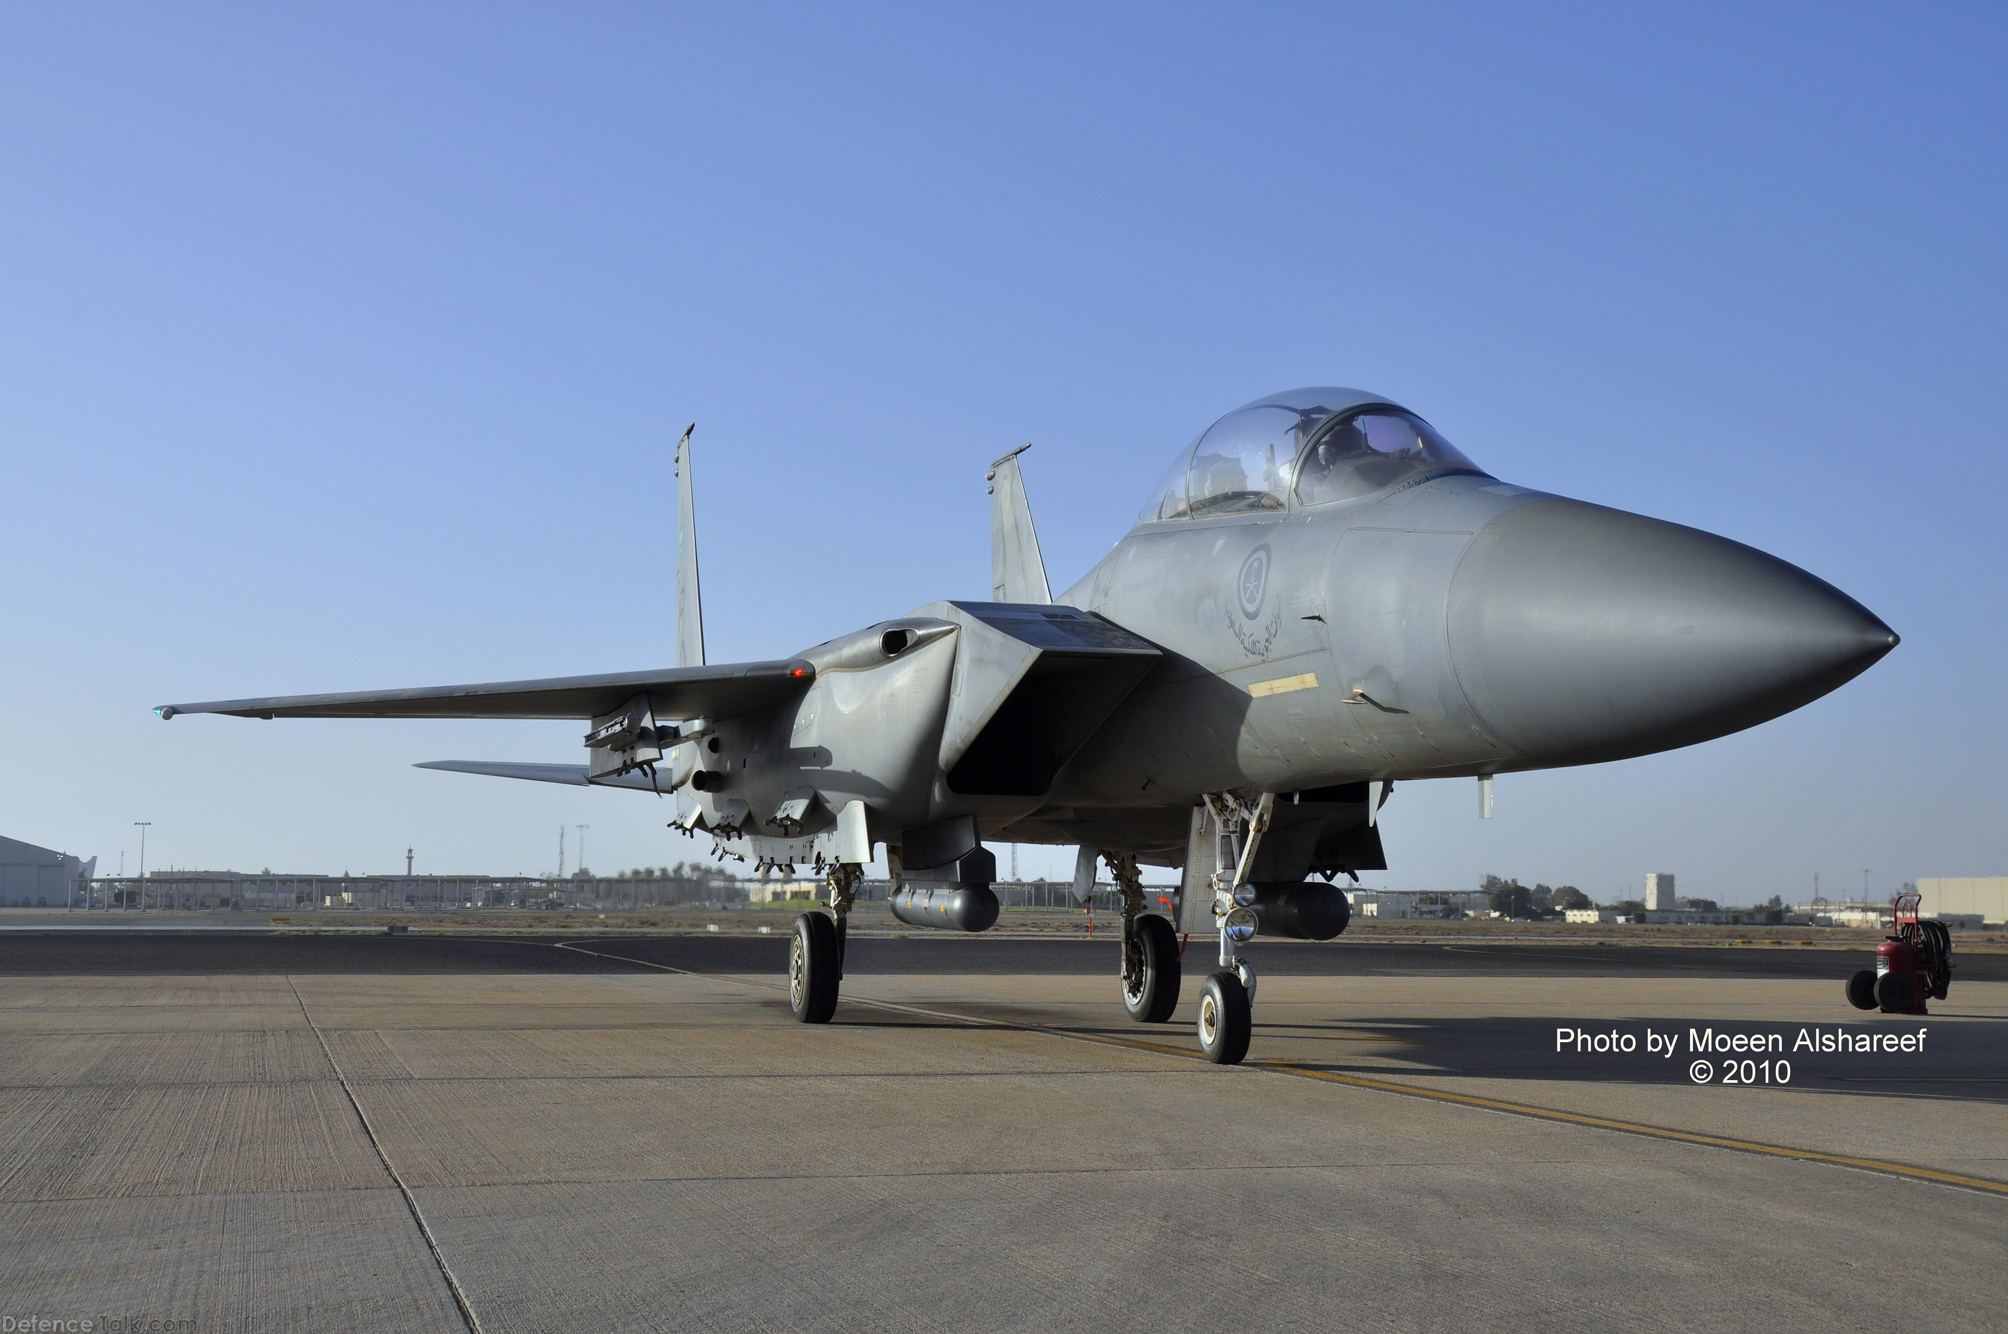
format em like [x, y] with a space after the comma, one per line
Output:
[1984, 1185]
[1932, 1174]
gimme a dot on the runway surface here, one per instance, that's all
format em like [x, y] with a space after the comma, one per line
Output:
[283, 1132]
[111, 951]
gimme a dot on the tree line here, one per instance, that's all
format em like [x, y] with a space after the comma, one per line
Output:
[1510, 898]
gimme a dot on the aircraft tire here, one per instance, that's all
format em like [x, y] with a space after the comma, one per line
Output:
[1226, 1019]
[1862, 989]
[1158, 996]
[1896, 993]
[812, 968]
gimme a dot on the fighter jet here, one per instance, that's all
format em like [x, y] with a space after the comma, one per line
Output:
[1321, 599]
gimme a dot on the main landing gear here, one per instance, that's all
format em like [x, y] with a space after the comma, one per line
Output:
[1151, 970]
[816, 952]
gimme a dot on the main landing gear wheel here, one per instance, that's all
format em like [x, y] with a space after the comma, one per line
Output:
[813, 968]
[1862, 990]
[1153, 995]
[1225, 1019]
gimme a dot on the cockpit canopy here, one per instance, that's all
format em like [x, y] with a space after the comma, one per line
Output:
[1322, 444]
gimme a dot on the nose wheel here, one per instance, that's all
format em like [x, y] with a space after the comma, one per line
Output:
[1225, 1019]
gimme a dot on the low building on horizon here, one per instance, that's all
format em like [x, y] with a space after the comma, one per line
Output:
[1964, 897]
[32, 877]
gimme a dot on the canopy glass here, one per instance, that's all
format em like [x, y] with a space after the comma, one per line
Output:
[1323, 444]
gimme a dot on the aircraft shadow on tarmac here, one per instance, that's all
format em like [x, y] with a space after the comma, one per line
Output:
[1962, 1059]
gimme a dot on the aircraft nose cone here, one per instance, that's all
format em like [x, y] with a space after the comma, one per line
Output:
[1583, 634]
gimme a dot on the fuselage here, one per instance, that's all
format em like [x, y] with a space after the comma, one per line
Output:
[1458, 626]
[1339, 597]
[1415, 617]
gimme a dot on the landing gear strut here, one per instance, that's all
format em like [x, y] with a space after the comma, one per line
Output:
[1151, 971]
[816, 953]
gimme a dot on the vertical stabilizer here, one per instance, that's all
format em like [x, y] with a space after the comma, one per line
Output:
[689, 605]
[1017, 574]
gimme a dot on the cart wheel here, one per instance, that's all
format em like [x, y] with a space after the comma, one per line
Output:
[1896, 993]
[1862, 989]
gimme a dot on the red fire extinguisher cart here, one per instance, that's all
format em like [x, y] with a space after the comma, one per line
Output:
[1913, 964]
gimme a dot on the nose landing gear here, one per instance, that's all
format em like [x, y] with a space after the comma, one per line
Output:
[1226, 1015]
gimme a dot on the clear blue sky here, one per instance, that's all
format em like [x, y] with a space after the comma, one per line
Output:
[342, 347]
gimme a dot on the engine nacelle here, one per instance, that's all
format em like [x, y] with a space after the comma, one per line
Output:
[951, 907]
[1307, 911]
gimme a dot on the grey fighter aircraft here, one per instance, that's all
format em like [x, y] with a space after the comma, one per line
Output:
[1322, 598]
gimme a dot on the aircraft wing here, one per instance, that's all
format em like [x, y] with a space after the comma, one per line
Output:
[720, 691]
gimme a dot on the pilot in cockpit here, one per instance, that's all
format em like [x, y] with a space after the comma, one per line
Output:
[1243, 462]
[1367, 450]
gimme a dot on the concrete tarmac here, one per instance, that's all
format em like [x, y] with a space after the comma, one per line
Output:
[635, 1135]
[137, 949]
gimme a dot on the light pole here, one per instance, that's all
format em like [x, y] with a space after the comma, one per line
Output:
[582, 844]
[144, 825]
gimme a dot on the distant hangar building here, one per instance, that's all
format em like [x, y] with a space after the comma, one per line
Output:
[32, 877]
[1981, 896]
